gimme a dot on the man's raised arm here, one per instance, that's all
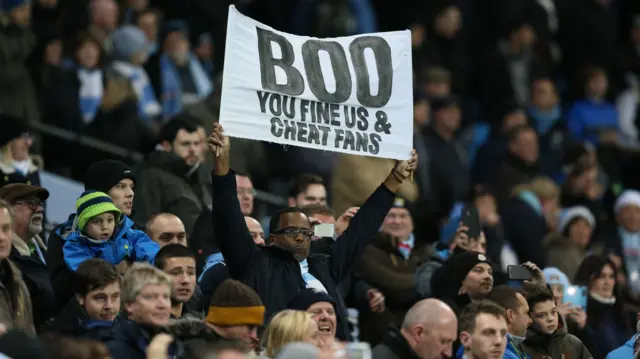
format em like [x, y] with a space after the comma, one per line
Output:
[348, 248]
[236, 243]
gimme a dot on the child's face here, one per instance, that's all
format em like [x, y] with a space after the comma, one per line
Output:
[545, 317]
[101, 226]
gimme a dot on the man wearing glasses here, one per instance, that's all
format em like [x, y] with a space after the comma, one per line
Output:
[28, 250]
[278, 272]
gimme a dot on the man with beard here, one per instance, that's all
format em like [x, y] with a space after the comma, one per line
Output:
[180, 264]
[171, 179]
[28, 250]
[471, 280]
[95, 306]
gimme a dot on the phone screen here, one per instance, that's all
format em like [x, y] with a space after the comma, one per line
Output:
[519, 273]
[576, 296]
[471, 220]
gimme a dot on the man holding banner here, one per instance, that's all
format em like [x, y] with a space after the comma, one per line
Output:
[349, 94]
[278, 272]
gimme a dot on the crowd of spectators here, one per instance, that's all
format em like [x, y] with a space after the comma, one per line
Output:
[526, 110]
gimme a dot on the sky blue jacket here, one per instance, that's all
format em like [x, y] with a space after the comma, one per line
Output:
[125, 243]
[624, 352]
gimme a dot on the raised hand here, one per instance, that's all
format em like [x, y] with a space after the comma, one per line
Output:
[219, 145]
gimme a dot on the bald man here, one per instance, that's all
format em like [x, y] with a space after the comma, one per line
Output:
[428, 331]
[255, 228]
[166, 228]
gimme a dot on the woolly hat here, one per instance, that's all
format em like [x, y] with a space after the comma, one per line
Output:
[308, 297]
[8, 5]
[128, 40]
[12, 127]
[93, 203]
[627, 198]
[103, 175]
[463, 263]
[235, 303]
[554, 276]
[401, 202]
[571, 213]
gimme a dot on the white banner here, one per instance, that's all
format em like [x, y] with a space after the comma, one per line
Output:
[348, 94]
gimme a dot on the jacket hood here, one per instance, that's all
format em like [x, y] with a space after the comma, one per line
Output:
[167, 161]
[75, 234]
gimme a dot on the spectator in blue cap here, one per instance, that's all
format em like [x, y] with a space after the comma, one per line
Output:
[130, 51]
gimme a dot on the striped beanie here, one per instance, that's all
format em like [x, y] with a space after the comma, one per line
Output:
[93, 203]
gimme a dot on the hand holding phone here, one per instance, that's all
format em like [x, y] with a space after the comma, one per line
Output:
[471, 219]
[519, 272]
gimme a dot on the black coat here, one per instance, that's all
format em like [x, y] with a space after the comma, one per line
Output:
[130, 340]
[274, 273]
[73, 321]
[393, 346]
[36, 277]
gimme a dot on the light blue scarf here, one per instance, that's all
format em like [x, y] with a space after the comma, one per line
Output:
[172, 88]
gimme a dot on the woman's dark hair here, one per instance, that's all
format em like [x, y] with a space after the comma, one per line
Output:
[78, 41]
[64, 347]
[590, 269]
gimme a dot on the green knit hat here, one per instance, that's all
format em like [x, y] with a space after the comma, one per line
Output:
[94, 203]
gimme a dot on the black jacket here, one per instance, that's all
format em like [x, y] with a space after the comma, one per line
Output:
[130, 340]
[165, 184]
[73, 321]
[394, 346]
[36, 277]
[272, 272]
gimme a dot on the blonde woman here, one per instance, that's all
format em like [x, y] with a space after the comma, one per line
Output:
[286, 327]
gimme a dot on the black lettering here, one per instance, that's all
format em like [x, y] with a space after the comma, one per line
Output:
[335, 115]
[382, 122]
[339, 66]
[339, 137]
[349, 141]
[295, 82]
[349, 120]
[325, 134]
[363, 124]
[374, 146]
[362, 140]
[313, 112]
[314, 134]
[276, 127]
[322, 113]
[302, 132]
[289, 130]
[384, 67]
[304, 109]
[275, 104]
[262, 98]
[291, 113]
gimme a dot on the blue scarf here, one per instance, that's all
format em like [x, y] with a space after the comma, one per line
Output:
[545, 120]
[148, 106]
[211, 261]
[172, 88]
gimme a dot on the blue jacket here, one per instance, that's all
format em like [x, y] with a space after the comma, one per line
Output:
[125, 243]
[624, 352]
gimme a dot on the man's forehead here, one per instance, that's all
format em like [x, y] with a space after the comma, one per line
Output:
[486, 321]
[294, 219]
[484, 266]
[320, 305]
[180, 262]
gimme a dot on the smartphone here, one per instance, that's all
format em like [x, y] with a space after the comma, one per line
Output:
[576, 295]
[519, 273]
[358, 350]
[471, 219]
[324, 230]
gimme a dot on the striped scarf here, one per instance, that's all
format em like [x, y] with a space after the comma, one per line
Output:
[148, 106]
